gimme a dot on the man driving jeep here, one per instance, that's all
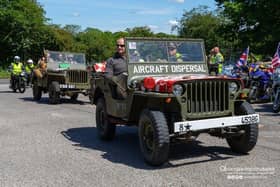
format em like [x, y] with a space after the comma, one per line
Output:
[116, 69]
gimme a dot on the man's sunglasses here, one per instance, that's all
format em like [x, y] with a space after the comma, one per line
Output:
[120, 45]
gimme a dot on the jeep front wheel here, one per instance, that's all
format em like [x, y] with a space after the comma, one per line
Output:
[105, 129]
[154, 137]
[246, 141]
[54, 93]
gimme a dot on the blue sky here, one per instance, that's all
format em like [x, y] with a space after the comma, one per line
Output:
[110, 15]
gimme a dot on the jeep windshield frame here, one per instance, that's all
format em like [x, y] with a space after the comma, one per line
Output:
[57, 60]
[152, 57]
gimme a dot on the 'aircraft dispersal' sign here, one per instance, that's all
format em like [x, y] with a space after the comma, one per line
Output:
[165, 69]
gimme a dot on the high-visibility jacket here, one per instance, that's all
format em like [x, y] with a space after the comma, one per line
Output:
[17, 68]
[217, 59]
[29, 68]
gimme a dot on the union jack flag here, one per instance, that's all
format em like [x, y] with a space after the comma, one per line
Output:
[276, 59]
[100, 67]
[243, 58]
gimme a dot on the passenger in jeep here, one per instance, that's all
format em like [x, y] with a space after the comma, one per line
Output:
[174, 56]
[116, 69]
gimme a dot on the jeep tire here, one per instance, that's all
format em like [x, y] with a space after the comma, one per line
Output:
[247, 141]
[105, 129]
[54, 93]
[37, 91]
[154, 137]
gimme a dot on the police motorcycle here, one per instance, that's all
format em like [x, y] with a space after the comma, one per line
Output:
[276, 90]
[18, 82]
[260, 84]
[29, 71]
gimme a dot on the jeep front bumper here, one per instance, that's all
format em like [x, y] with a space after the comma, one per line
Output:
[197, 125]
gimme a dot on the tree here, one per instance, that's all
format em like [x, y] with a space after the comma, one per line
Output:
[201, 23]
[255, 23]
[140, 32]
[22, 23]
[99, 45]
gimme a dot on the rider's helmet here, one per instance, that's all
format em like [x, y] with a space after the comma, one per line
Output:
[262, 66]
[29, 61]
[17, 58]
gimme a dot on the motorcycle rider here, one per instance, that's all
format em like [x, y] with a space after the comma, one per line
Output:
[16, 69]
[265, 75]
[29, 70]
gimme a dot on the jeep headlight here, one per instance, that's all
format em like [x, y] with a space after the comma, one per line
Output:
[233, 87]
[178, 90]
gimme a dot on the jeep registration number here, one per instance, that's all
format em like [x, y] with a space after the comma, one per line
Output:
[250, 119]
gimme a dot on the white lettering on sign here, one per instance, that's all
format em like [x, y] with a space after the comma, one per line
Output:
[150, 69]
[181, 68]
[187, 68]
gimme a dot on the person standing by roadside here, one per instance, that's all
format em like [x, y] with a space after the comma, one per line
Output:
[217, 59]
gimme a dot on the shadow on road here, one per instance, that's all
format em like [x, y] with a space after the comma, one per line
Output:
[125, 149]
[265, 108]
[8, 91]
[45, 100]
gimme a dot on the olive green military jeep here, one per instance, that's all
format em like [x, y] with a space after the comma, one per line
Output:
[66, 75]
[172, 98]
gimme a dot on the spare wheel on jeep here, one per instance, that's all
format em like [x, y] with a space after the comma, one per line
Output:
[154, 137]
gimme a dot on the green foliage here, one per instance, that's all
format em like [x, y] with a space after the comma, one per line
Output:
[4, 73]
[21, 23]
[255, 23]
[140, 32]
[98, 45]
[201, 23]
[234, 26]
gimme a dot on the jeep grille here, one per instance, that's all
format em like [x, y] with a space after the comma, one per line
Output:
[78, 76]
[207, 96]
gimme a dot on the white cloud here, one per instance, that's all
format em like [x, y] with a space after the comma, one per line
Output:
[153, 12]
[178, 1]
[76, 14]
[173, 22]
[153, 27]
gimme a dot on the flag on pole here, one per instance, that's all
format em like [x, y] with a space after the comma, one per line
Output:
[276, 59]
[243, 58]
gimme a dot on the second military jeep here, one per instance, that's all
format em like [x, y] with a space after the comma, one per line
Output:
[172, 99]
[66, 75]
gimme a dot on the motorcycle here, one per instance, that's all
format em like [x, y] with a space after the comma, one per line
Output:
[236, 72]
[276, 90]
[18, 82]
[260, 85]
